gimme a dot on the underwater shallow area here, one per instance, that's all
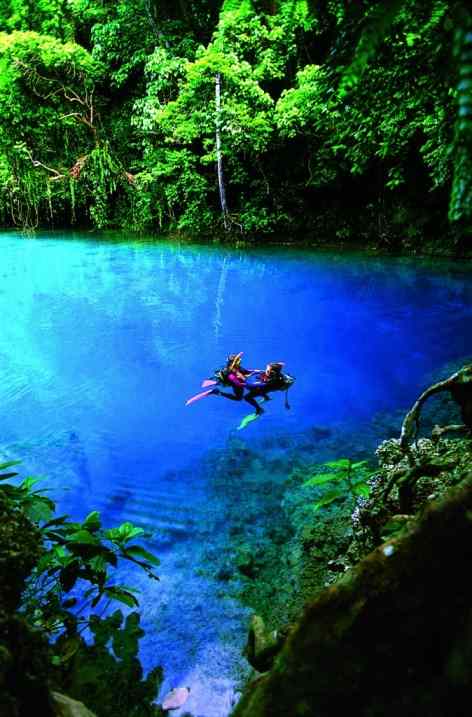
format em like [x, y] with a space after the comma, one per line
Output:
[103, 341]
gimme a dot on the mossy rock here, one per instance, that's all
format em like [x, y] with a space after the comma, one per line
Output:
[391, 637]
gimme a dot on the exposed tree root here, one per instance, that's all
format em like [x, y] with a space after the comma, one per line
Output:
[459, 386]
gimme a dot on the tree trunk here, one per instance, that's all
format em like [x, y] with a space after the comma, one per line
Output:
[219, 157]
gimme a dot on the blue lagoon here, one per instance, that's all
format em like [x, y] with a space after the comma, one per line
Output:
[103, 341]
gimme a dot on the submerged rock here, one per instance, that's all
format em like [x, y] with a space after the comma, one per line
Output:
[176, 698]
[67, 707]
[262, 645]
[318, 433]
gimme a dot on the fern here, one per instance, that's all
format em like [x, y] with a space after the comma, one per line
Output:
[346, 479]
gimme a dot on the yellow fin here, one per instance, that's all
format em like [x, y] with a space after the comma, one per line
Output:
[247, 419]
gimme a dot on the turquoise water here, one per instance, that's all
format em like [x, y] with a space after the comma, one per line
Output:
[102, 343]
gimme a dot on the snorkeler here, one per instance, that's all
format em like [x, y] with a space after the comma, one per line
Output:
[258, 383]
[234, 375]
[261, 383]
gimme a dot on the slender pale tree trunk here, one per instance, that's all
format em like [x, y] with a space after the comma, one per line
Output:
[219, 156]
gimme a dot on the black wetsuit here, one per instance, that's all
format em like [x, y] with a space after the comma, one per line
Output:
[275, 383]
[259, 388]
[228, 378]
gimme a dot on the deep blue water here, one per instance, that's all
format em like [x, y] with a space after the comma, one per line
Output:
[102, 343]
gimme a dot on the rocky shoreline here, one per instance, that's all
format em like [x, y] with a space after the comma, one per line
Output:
[342, 564]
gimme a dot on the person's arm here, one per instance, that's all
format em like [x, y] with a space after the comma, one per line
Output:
[257, 380]
[236, 380]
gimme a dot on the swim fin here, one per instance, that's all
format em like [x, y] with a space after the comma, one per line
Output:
[247, 420]
[199, 396]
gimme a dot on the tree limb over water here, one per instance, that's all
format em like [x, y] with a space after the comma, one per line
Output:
[459, 385]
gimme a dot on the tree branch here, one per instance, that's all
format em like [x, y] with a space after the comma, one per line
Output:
[410, 426]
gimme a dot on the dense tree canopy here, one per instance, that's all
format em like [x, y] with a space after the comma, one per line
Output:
[336, 119]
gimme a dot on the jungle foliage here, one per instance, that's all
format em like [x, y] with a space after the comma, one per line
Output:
[337, 119]
[58, 581]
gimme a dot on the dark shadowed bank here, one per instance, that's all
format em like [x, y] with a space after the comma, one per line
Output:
[392, 635]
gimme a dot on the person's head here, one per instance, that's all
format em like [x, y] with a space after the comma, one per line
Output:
[234, 360]
[274, 368]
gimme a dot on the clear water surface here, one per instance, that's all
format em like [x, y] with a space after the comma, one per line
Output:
[102, 342]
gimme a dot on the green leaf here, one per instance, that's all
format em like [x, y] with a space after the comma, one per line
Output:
[411, 38]
[12, 492]
[8, 464]
[125, 532]
[83, 537]
[28, 483]
[4, 476]
[39, 508]
[124, 596]
[139, 552]
[129, 588]
[321, 478]
[359, 464]
[342, 463]
[362, 489]
[327, 499]
[60, 552]
[60, 520]
[109, 556]
[69, 647]
[92, 521]
[98, 564]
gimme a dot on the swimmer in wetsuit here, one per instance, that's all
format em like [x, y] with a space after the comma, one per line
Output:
[234, 375]
[261, 383]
